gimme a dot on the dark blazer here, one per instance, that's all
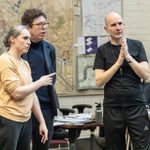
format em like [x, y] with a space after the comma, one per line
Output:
[50, 58]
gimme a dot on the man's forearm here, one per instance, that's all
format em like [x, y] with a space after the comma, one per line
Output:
[103, 77]
[141, 69]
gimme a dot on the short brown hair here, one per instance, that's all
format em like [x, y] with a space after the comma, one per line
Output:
[29, 16]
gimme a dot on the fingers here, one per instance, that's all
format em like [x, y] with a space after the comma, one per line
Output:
[43, 132]
[50, 79]
[44, 137]
[52, 74]
[125, 48]
[124, 44]
[121, 56]
[47, 79]
[123, 40]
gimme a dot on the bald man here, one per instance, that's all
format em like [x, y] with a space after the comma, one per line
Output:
[120, 65]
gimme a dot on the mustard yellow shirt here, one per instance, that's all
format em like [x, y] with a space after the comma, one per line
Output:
[14, 73]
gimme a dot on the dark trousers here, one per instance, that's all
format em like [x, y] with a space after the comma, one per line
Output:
[117, 119]
[15, 135]
[36, 138]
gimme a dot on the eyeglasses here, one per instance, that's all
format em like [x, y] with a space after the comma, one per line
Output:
[41, 24]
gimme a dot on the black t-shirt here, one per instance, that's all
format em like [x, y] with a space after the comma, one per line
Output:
[124, 88]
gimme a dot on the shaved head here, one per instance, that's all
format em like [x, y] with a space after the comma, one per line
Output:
[111, 16]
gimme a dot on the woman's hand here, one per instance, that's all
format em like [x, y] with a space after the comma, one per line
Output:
[43, 132]
[47, 79]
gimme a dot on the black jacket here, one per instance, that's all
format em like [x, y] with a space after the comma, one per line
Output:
[50, 58]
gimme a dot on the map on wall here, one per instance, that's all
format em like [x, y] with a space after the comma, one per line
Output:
[85, 73]
[60, 32]
[93, 13]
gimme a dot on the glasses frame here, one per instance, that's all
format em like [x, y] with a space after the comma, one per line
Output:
[41, 24]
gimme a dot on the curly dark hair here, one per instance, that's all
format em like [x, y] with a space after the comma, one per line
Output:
[29, 16]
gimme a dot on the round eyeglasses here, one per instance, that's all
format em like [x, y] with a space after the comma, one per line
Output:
[41, 24]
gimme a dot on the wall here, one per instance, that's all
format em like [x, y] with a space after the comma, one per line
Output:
[136, 15]
[59, 32]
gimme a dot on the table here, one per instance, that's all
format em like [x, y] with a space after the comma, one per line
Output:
[75, 128]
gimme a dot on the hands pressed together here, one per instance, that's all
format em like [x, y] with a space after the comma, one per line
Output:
[124, 53]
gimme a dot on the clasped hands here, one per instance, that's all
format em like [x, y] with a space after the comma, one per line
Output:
[124, 53]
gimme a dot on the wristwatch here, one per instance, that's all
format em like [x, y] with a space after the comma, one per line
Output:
[129, 60]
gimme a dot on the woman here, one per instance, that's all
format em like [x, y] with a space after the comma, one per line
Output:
[17, 93]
